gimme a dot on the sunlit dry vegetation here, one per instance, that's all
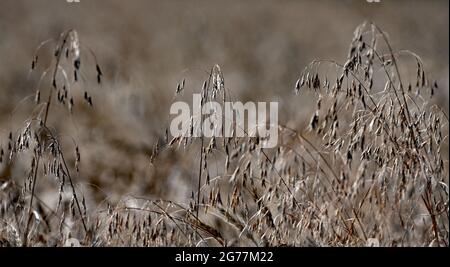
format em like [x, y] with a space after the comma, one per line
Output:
[367, 166]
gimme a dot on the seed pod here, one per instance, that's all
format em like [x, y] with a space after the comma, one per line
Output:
[314, 121]
[99, 73]
[77, 63]
[71, 104]
[37, 98]
[316, 82]
[34, 63]
[297, 87]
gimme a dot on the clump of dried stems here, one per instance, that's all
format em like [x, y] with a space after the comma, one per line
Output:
[370, 170]
[37, 140]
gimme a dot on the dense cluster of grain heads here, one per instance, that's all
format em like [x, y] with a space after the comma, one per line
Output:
[38, 145]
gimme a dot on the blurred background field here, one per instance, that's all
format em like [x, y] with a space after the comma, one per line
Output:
[146, 47]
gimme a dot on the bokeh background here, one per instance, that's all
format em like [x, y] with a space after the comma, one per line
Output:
[146, 47]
